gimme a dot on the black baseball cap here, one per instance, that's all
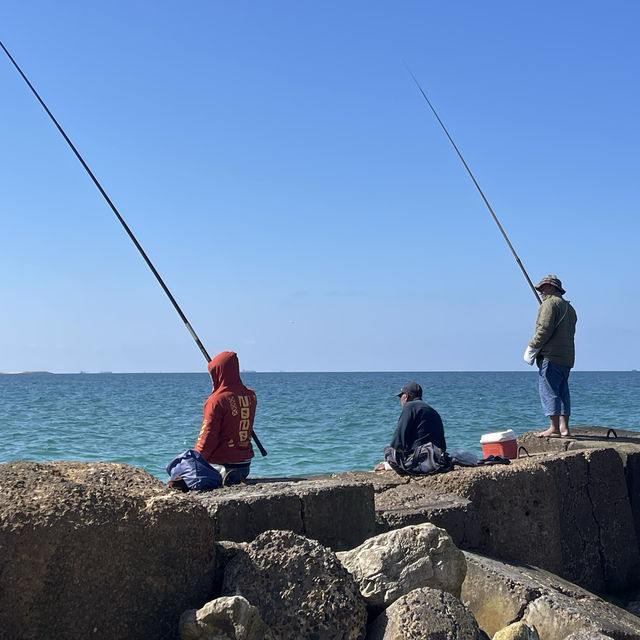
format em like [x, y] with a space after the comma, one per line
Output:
[411, 388]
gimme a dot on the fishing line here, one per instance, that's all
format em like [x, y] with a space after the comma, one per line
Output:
[466, 166]
[123, 223]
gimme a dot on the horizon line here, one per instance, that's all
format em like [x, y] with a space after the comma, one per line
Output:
[93, 373]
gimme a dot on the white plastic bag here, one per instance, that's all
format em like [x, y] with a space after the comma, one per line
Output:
[530, 354]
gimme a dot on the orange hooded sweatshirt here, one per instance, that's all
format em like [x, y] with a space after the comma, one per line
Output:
[225, 434]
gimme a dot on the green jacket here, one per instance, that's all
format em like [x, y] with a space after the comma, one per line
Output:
[554, 340]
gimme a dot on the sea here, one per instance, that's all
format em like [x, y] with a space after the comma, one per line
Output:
[309, 423]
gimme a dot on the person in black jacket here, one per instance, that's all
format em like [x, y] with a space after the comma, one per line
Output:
[418, 423]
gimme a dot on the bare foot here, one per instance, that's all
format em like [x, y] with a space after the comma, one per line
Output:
[549, 433]
[566, 434]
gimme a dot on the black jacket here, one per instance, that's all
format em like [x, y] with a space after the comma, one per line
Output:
[418, 424]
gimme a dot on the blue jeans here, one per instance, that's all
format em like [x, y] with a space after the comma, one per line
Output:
[553, 384]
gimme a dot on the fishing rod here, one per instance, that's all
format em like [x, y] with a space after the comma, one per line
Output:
[263, 451]
[466, 166]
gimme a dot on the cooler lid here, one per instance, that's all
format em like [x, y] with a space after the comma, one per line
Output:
[498, 436]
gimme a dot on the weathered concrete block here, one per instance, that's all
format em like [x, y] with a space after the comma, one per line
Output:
[413, 503]
[599, 544]
[625, 442]
[576, 501]
[500, 593]
[630, 455]
[496, 592]
[241, 513]
[515, 506]
[337, 513]
[582, 437]
[96, 550]
[379, 480]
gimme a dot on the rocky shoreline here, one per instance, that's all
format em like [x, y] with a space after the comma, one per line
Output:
[516, 551]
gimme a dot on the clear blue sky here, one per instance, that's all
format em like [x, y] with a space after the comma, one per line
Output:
[289, 183]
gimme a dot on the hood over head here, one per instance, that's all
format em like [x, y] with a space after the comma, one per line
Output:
[224, 370]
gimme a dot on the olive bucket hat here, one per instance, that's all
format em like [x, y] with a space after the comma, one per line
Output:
[553, 280]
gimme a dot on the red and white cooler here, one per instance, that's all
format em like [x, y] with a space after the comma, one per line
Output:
[500, 443]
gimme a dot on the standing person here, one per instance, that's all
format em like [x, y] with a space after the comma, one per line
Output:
[553, 349]
[418, 424]
[225, 435]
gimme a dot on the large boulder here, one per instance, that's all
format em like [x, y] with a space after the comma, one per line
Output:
[230, 618]
[393, 564]
[588, 635]
[556, 616]
[500, 593]
[225, 551]
[98, 550]
[517, 631]
[299, 587]
[426, 613]
[633, 603]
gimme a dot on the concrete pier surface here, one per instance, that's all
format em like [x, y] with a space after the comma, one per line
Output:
[108, 547]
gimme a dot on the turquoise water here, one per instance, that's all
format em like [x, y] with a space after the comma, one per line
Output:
[308, 422]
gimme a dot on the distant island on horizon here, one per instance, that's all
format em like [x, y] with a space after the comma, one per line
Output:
[52, 373]
[19, 373]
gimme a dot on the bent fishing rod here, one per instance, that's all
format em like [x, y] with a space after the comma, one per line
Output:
[466, 166]
[263, 451]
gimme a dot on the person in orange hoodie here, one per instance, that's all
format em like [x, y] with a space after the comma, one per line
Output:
[224, 440]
